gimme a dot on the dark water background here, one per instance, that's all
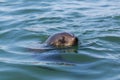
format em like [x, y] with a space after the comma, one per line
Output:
[24, 24]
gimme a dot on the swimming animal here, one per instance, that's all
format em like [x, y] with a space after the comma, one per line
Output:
[62, 39]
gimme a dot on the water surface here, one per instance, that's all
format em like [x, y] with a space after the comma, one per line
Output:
[25, 24]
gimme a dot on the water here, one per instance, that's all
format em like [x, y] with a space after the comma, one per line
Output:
[25, 24]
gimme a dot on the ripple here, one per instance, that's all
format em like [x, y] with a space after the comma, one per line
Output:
[25, 25]
[29, 10]
[117, 17]
[111, 38]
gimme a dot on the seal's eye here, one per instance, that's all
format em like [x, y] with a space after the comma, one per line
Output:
[62, 40]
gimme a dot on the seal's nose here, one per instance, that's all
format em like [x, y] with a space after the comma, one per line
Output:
[75, 41]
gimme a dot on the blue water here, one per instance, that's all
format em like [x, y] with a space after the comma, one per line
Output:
[26, 24]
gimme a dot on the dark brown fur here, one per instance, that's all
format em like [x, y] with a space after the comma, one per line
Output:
[63, 39]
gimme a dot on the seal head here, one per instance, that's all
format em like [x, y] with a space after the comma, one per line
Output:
[63, 39]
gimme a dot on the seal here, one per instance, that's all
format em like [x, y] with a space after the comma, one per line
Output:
[62, 39]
